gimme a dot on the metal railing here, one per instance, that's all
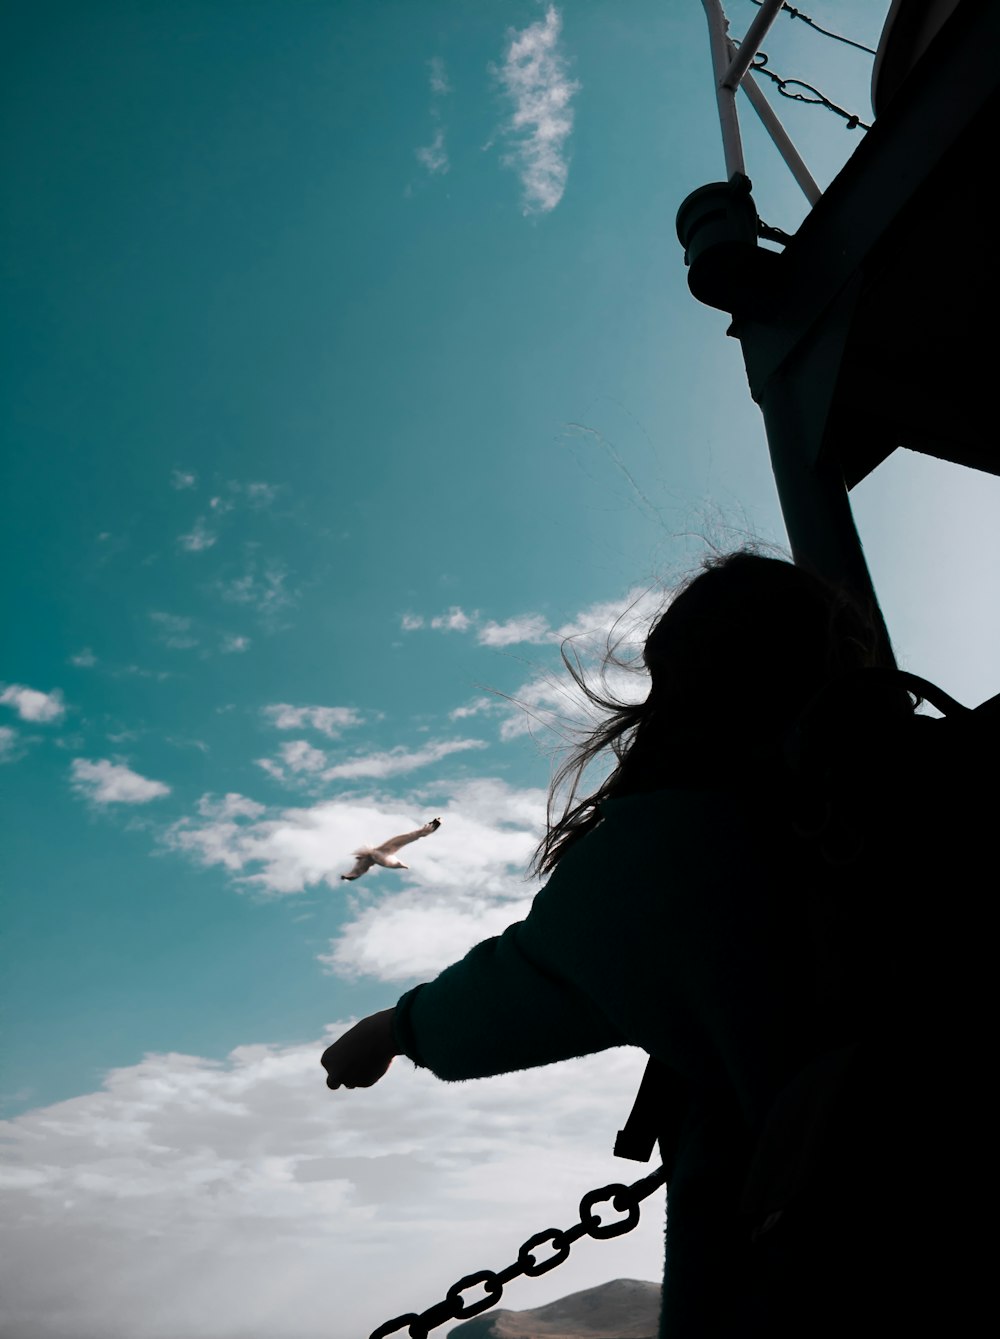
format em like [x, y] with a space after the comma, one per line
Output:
[731, 66]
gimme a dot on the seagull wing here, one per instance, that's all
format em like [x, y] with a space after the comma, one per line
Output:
[363, 863]
[394, 843]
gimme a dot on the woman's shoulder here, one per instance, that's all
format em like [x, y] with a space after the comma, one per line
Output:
[680, 803]
[726, 821]
[634, 827]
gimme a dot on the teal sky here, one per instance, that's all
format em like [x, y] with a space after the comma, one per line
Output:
[349, 366]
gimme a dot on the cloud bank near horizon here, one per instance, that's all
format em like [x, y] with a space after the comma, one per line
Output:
[212, 1199]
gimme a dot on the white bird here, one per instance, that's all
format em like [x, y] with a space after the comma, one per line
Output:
[384, 854]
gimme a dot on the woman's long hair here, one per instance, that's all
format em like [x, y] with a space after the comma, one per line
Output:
[741, 648]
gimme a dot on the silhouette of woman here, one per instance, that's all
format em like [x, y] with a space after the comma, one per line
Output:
[673, 918]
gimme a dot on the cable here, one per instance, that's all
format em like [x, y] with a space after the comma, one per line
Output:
[794, 13]
[759, 66]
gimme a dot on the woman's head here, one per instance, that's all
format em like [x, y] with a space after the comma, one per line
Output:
[738, 652]
[751, 636]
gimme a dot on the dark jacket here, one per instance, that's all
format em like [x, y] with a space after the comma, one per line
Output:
[676, 926]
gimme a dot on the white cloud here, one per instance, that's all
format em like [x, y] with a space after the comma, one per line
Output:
[260, 494]
[526, 628]
[550, 703]
[481, 850]
[266, 592]
[299, 755]
[622, 622]
[413, 935]
[33, 705]
[474, 708]
[287, 1209]
[455, 620]
[410, 622]
[181, 479]
[394, 762]
[439, 77]
[105, 782]
[330, 721]
[9, 744]
[235, 645]
[140, 672]
[198, 538]
[84, 659]
[534, 77]
[174, 631]
[434, 156]
[231, 805]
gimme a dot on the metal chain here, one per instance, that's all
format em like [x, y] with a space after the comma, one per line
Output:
[759, 66]
[794, 13]
[625, 1199]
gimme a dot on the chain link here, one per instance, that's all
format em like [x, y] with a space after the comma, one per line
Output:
[624, 1199]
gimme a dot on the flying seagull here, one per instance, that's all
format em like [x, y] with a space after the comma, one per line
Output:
[385, 854]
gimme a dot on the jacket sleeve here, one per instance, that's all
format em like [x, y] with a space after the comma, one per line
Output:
[542, 991]
[656, 930]
[498, 1010]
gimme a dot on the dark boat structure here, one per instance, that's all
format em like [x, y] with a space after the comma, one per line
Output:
[872, 329]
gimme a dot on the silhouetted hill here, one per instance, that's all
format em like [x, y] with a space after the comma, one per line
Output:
[622, 1309]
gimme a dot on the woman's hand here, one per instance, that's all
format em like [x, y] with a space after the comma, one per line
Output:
[360, 1057]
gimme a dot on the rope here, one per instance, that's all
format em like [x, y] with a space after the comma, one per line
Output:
[794, 13]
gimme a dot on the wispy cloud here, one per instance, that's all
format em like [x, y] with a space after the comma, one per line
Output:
[526, 628]
[31, 704]
[84, 659]
[229, 806]
[182, 479]
[173, 630]
[300, 763]
[534, 77]
[198, 538]
[105, 782]
[330, 721]
[521, 628]
[434, 156]
[626, 619]
[395, 762]
[9, 744]
[439, 76]
[266, 591]
[476, 708]
[455, 620]
[551, 703]
[259, 494]
[235, 645]
[298, 755]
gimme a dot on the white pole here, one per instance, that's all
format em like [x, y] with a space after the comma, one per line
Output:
[748, 48]
[779, 134]
[718, 33]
